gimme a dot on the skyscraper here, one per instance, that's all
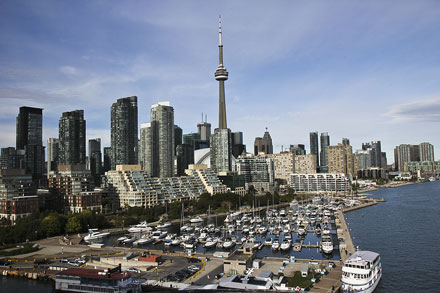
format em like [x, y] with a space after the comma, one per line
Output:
[204, 129]
[157, 140]
[178, 134]
[297, 149]
[95, 159]
[53, 148]
[237, 143]
[124, 132]
[263, 144]
[314, 146]
[72, 136]
[107, 159]
[376, 153]
[325, 142]
[30, 139]
[405, 153]
[220, 141]
[426, 151]
[345, 141]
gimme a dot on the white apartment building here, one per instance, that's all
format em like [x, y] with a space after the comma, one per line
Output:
[320, 182]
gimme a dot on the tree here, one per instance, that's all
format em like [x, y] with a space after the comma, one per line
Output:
[73, 225]
[52, 225]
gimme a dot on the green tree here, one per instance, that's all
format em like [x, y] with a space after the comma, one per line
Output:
[52, 225]
[73, 225]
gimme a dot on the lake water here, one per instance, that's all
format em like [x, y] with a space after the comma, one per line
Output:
[405, 231]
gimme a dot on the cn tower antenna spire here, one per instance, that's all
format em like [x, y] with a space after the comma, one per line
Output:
[221, 74]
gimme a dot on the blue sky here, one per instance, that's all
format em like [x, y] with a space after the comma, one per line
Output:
[366, 70]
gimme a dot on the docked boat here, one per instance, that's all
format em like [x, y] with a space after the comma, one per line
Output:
[297, 245]
[326, 244]
[196, 220]
[228, 244]
[285, 245]
[361, 272]
[143, 240]
[301, 231]
[210, 243]
[139, 228]
[164, 226]
[275, 244]
[94, 234]
[129, 240]
[268, 241]
[176, 241]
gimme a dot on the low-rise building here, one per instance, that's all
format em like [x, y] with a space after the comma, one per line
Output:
[89, 200]
[18, 207]
[320, 182]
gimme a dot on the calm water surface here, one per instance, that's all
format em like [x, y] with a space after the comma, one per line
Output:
[405, 231]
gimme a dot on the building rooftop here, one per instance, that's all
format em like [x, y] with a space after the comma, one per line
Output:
[92, 273]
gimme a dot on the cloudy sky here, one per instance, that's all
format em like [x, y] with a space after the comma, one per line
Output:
[366, 70]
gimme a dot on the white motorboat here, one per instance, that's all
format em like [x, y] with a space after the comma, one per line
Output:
[164, 226]
[268, 241]
[361, 272]
[142, 227]
[176, 241]
[326, 244]
[167, 243]
[301, 231]
[275, 244]
[228, 244]
[129, 240]
[94, 234]
[285, 245]
[210, 243]
[196, 220]
[143, 240]
[122, 238]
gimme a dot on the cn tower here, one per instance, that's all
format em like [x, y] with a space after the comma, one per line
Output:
[221, 75]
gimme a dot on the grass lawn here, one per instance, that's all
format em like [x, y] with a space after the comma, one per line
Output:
[301, 282]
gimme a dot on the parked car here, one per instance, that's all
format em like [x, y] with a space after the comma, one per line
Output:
[133, 270]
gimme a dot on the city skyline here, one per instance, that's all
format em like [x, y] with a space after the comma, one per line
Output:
[315, 71]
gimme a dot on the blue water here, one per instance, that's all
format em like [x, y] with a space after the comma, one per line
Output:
[405, 231]
[13, 284]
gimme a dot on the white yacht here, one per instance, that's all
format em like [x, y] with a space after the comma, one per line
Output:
[94, 234]
[275, 244]
[228, 244]
[143, 240]
[327, 244]
[286, 245]
[142, 227]
[361, 272]
[210, 243]
[196, 220]
[164, 225]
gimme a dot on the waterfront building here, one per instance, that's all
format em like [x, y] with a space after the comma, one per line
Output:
[135, 187]
[325, 142]
[124, 132]
[320, 182]
[372, 173]
[342, 160]
[284, 165]
[297, 149]
[93, 280]
[72, 138]
[257, 170]
[88, 200]
[53, 150]
[29, 138]
[375, 152]
[314, 146]
[383, 159]
[18, 194]
[426, 151]
[16, 183]
[70, 180]
[428, 167]
[405, 153]
[263, 144]
[305, 164]
[363, 158]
